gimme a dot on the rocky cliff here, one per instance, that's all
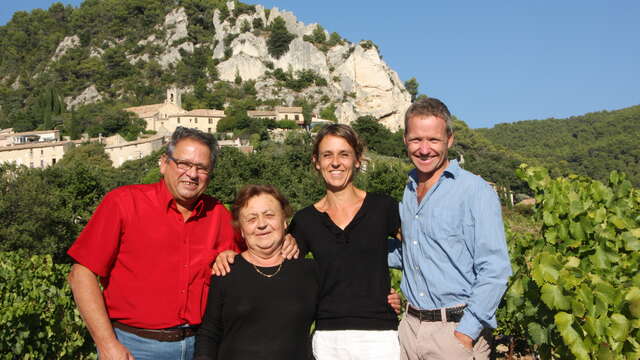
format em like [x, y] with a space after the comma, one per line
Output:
[350, 76]
[359, 81]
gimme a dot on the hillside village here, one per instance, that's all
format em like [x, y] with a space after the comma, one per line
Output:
[43, 148]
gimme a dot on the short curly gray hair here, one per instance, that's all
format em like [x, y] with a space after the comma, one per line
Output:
[197, 135]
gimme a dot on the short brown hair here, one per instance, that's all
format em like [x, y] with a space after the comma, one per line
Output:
[429, 107]
[340, 130]
[252, 190]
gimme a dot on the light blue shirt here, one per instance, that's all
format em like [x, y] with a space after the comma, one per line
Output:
[453, 248]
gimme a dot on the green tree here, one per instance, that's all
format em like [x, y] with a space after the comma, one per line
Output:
[279, 39]
[412, 87]
[329, 112]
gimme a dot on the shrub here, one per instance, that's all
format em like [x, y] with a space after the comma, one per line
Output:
[257, 23]
[38, 315]
[280, 38]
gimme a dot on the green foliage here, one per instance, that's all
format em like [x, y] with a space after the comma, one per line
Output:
[576, 289]
[492, 162]
[593, 144]
[329, 112]
[378, 138]
[368, 44]
[279, 39]
[334, 39]
[302, 79]
[307, 109]
[412, 87]
[257, 23]
[286, 124]
[43, 210]
[37, 311]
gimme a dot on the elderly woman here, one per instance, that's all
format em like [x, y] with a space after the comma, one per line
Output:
[263, 309]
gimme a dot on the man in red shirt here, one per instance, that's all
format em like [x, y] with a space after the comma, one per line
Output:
[152, 247]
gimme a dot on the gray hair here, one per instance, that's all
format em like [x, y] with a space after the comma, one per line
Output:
[187, 133]
[429, 107]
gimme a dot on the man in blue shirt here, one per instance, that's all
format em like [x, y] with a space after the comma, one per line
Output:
[453, 252]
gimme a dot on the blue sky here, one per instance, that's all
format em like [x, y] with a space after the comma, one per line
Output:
[490, 61]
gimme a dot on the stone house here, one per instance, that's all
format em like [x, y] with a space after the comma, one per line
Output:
[166, 117]
[120, 150]
[280, 113]
[205, 120]
[10, 138]
[35, 154]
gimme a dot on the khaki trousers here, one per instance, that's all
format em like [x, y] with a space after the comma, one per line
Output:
[422, 340]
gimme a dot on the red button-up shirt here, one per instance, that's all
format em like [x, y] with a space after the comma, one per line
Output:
[154, 265]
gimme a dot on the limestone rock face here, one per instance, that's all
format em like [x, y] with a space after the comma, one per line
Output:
[247, 67]
[303, 55]
[293, 25]
[69, 42]
[96, 52]
[90, 95]
[359, 81]
[175, 24]
[175, 28]
[378, 88]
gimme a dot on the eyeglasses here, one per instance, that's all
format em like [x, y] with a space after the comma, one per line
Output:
[185, 166]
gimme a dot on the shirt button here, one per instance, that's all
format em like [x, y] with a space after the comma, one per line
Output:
[421, 294]
[182, 291]
[416, 267]
[415, 242]
[417, 216]
[186, 265]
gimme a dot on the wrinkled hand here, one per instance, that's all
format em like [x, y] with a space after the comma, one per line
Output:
[465, 340]
[221, 266]
[394, 300]
[290, 247]
[115, 351]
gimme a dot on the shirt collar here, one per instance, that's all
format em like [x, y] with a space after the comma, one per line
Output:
[166, 198]
[452, 171]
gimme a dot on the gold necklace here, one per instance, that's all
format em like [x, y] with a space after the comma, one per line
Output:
[268, 275]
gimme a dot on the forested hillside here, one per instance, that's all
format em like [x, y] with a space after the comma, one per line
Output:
[593, 144]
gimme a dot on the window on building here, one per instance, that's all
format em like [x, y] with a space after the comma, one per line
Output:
[297, 117]
[53, 161]
[195, 120]
[286, 117]
[178, 120]
[41, 152]
[209, 131]
[31, 164]
[210, 121]
[41, 163]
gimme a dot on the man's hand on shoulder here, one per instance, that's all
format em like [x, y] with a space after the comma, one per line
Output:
[464, 339]
[290, 247]
[221, 266]
[115, 351]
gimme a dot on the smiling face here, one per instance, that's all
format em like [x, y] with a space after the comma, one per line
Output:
[186, 186]
[428, 145]
[262, 224]
[336, 161]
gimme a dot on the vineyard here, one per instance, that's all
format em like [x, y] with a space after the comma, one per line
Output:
[575, 292]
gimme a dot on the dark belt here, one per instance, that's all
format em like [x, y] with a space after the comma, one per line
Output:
[172, 334]
[453, 314]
